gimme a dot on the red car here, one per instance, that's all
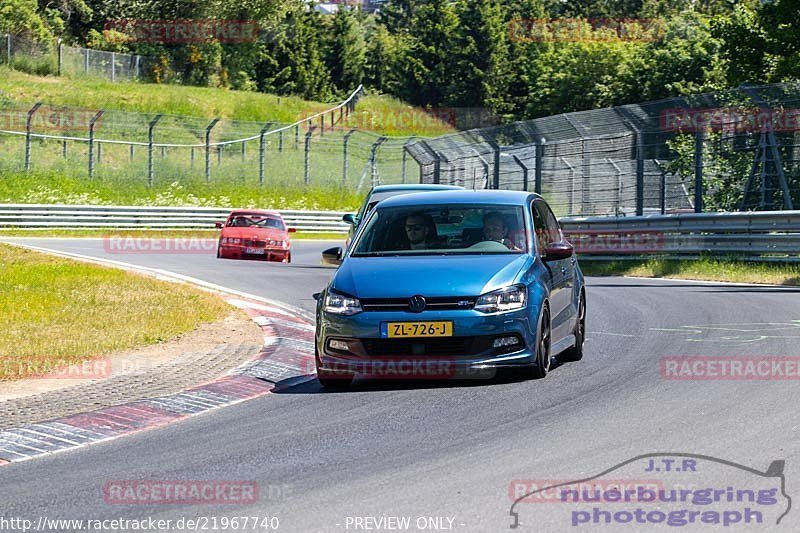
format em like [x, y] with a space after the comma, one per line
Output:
[255, 234]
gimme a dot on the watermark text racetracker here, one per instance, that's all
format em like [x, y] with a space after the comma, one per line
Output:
[98, 525]
[740, 367]
[150, 245]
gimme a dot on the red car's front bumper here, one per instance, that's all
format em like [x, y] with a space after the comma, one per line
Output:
[235, 251]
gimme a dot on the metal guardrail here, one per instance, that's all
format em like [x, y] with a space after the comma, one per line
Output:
[766, 235]
[772, 235]
[42, 216]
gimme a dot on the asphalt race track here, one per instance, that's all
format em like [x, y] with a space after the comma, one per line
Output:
[452, 450]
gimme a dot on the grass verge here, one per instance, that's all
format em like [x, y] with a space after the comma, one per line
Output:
[707, 269]
[152, 234]
[58, 312]
[378, 113]
[43, 187]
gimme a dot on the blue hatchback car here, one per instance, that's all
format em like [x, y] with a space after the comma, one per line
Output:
[451, 284]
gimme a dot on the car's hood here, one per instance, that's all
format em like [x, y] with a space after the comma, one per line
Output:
[254, 233]
[437, 276]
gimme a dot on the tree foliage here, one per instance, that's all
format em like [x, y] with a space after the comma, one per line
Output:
[456, 53]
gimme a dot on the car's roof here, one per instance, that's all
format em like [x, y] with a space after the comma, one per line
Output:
[466, 196]
[254, 212]
[415, 187]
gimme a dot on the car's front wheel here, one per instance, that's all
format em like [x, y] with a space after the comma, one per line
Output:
[542, 364]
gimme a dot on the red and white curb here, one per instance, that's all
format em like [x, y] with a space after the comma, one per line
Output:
[287, 354]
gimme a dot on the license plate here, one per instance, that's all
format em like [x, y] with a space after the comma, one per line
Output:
[254, 251]
[416, 329]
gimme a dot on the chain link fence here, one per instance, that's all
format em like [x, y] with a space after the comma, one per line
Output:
[731, 150]
[42, 58]
[160, 148]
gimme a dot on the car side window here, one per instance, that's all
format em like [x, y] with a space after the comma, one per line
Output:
[545, 225]
[539, 227]
[551, 222]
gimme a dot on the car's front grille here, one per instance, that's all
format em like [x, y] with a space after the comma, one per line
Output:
[431, 304]
[446, 346]
[254, 243]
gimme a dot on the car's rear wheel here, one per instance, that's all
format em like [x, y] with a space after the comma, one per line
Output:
[576, 352]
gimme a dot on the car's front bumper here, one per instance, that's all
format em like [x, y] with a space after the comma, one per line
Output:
[469, 353]
[240, 252]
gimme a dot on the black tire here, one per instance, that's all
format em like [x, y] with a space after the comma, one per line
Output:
[575, 353]
[331, 382]
[543, 341]
[219, 254]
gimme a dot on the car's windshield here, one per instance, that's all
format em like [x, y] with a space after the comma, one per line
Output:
[255, 221]
[444, 229]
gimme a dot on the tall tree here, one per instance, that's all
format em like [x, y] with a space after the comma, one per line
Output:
[346, 50]
[427, 65]
[293, 63]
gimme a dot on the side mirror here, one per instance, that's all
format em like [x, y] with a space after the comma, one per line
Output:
[350, 218]
[556, 251]
[291, 230]
[218, 225]
[333, 256]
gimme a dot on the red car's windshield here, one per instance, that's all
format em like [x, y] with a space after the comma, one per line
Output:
[242, 221]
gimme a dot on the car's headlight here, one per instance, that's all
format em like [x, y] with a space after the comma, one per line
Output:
[342, 305]
[502, 300]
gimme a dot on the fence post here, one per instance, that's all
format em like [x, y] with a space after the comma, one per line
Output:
[92, 122]
[151, 126]
[244, 150]
[64, 149]
[296, 136]
[8, 48]
[262, 148]
[618, 210]
[113, 66]
[208, 148]
[132, 148]
[136, 66]
[346, 141]
[496, 170]
[280, 141]
[571, 186]
[639, 173]
[524, 168]
[437, 163]
[99, 153]
[220, 149]
[28, 120]
[322, 125]
[699, 138]
[191, 157]
[537, 183]
[373, 160]
[404, 160]
[85, 60]
[60, 55]
[307, 159]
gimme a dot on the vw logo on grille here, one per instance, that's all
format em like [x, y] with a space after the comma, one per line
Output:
[416, 304]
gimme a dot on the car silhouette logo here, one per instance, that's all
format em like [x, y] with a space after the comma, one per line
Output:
[416, 304]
